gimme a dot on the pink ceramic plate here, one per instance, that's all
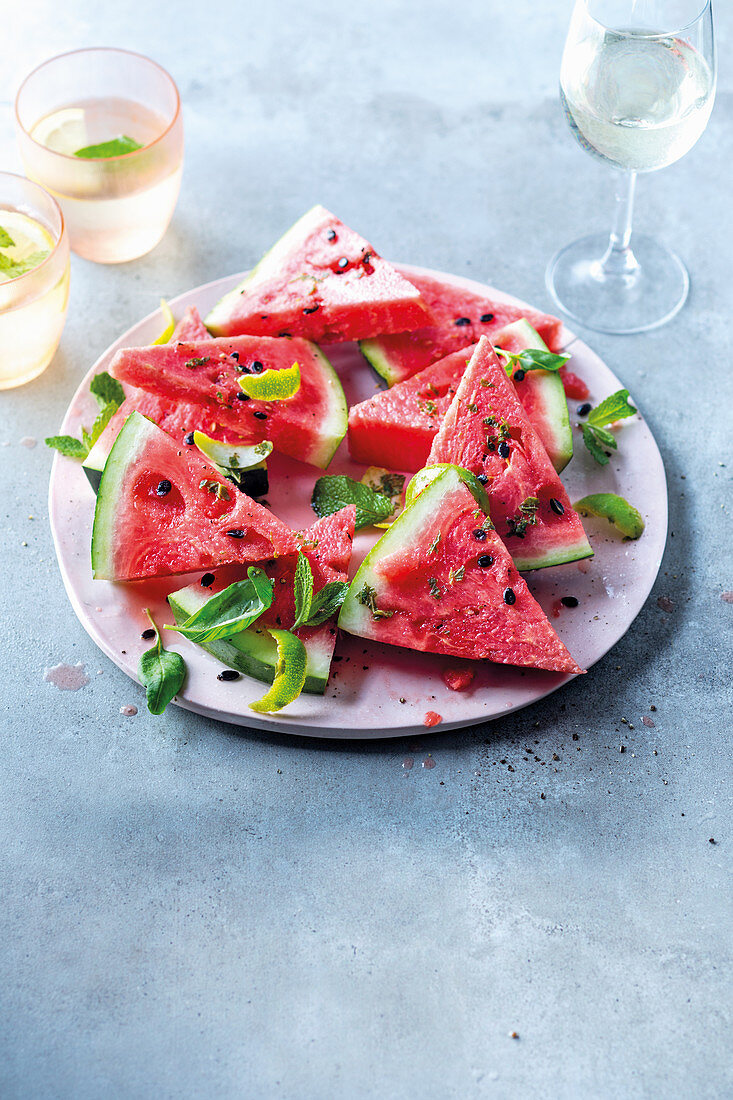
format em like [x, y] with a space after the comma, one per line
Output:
[378, 691]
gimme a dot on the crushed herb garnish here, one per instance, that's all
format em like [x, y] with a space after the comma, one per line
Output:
[368, 597]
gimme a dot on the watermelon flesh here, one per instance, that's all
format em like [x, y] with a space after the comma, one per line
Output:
[321, 281]
[457, 317]
[327, 545]
[190, 327]
[486, 431]
[163, 509]
[308, 426]
[440, 580]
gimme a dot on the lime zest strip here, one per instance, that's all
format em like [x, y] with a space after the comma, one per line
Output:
[170, 323]
[289, 673]
[272, 385]
[615, 509]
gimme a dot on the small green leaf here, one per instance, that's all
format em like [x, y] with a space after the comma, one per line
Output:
[14, 268]
[327, 602]
[614, 407]
[302, 591]
[6, 241]
[333, 492]
[229, 611]
[615, 509]
[106, 389]
[116, 147]
[604, 437]
[67, 445]
[539, 359]
[594, 446]
[161, 673]
[272, 385]
[103, 419]
[290, 672]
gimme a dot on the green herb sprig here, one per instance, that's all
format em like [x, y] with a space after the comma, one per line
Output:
[110, 395]
[312, 609]
[530, 359]
[230, 611]
[333, 492]
[595, 434]
[161, 673]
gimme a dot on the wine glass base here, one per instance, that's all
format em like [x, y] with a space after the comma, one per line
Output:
[636, 301]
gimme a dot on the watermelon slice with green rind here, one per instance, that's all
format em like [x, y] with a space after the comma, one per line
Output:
[327, 545]
[163, 509]
[321, 281]
[457, 317]
[440, 580]
[308, 426]
[487, 431]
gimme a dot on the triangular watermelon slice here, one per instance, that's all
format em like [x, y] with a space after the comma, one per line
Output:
[457, 317]
[486, 430]
[162, 509]
[441, 581]
[321, 281]
[308, 426]
[327, 545]
[190, 327]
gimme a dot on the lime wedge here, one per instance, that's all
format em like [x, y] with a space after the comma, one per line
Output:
[170, 323]
[289, 673]
[272, 385]
[227, 457]
[615, 509]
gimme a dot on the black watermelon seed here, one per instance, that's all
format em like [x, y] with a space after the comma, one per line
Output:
[228, 674]
[331, 234]
[163, 487]
[234, 355]
[207, 580]
[310, 309]
[258, 367]
[557, 506]
[342, 263]
[188, 439]
[569, 601]
[483, 478]
[485, 561]
[583, 410]
[149, 633]
[462, 321]
[260, 415]
[236, 533]
[479, 534]
[519, 375]
[509, 596]
[242, 396]
[487, 318]
[504, 449]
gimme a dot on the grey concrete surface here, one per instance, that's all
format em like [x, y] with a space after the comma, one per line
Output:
[190, 910]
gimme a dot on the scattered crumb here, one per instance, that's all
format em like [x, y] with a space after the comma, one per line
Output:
[665, 603]
[28, 441]
[727, 597]
[648, 721]
[129, 710]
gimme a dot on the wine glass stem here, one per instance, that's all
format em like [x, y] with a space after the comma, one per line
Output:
[619, 260]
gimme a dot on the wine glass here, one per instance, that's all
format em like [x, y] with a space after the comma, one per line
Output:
[637, 85]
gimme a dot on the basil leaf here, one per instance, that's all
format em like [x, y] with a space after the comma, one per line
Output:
[327, 602]
[591, 441]
[161, 673]
[106, 389]
[335, 491]
[231, 610]
[67, 445]
[6, 241]
[302, 591]
[539, 359]
[116, 147]
[614, 407]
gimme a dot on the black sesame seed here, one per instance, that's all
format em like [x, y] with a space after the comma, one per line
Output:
[485, 561]
[260, 415]
[236, 533]
[557, 506]
[188, 439]
[569, 601]
[584, 409]
[228, 674]
[519, 375]
[163, 487]
[483, 478]
[242, 396]
[207, 580]
[487, 318]
[504, 449]
[342, 263]
[234, 355]
[310, 309]
[462, 321]
[509, 596]
[331, 234]
[149, 633]
[479, 534]
[258, 367]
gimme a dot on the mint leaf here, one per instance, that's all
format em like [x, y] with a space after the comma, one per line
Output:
[6, 241]
[103, 419]
[333, 492]
[161, 673]
[116, 147]
[539, 359]
[106, 389]
[67, 445]
[327, 602]
[229, 611]
[614, 407]
[302, 591]
[14, 268]
[590, 438]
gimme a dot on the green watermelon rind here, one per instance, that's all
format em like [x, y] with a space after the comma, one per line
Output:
[553, 392]
[253, 651]
[378, 360]
[132, 440]
[335, 423]
[267, 266]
